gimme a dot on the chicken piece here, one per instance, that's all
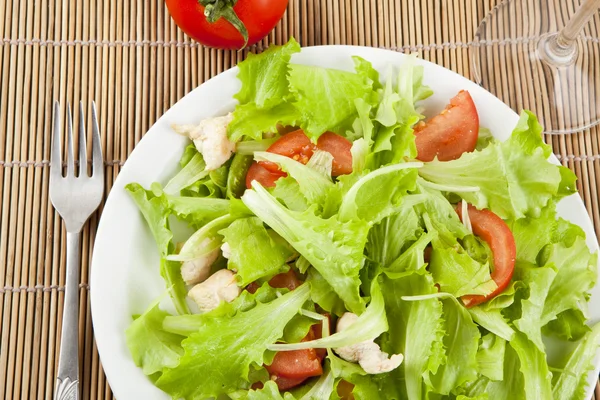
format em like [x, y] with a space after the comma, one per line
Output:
[196, 271]
[220, 286]
[368, 353]
[226, 250]
[210, 138]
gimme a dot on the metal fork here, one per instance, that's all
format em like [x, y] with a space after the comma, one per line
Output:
[75, 199]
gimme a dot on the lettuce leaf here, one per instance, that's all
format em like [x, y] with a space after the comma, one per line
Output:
[248, 147]
[536, 376]
[251, 122]
[332, 247]
[453, 268]
[151, 347]
[325, 98]
[482, 396]
[397, 114]
[363, 130]
[264, 76]
[511, 387]
[570, 383]
[577, 274]
[365, 68]
[538, 282]
[386, 112]
[460, 343]
[514, 177]
[376, 195]
[388, 238]
[255, 252]
[412, 260]
[342, 368]
[204, 187]
[297, 328]
[322, 389]
[493, 321]
[440, 211]
[369, 326]
[490, 357]
[414, 328]
[155, 210]
[532, 234]
[186, 325]
[568, 325]
[240, 340]
[313, 184]
[197, 211]
[459, 274]
[288, 191]
[269, 391]
[489, 314]
[204, 240]
[193, 171]
[322, 293]
[265, 95]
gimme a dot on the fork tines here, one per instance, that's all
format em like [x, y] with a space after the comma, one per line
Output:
[76, 197]
[55, 157]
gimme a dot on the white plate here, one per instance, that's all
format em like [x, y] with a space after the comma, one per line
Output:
[125, 267]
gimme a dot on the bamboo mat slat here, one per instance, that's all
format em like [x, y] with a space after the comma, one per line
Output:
[133, 61]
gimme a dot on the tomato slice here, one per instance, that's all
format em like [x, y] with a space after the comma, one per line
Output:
[297, 145]
[252, 287]
[265, 177]
[257, 385]
[494, 231]
[451, 133]
[427, 254]
[316, 332]
[286, 280]
[297, 364]
[287, 383]
[339, 148]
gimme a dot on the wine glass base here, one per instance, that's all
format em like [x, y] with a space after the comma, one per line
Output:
[509, 58]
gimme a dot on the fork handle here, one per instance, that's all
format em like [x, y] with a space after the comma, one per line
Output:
[67, 379]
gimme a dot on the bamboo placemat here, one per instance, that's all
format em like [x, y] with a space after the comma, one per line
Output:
[131, 59]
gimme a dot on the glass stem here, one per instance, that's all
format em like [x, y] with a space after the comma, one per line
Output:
[571, 31]
[560, 48]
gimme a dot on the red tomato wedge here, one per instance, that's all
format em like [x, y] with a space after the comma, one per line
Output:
[427, 253]
[339, 148]
[316, 332]
[287, 383]
[296, 364]
[265, 177]
[451, 133]
[290, 368]
[494, 231]
[286, 280]
[297, 145]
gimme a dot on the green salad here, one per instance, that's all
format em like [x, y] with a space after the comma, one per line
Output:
[341, 245]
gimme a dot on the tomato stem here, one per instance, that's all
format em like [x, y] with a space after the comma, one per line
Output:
[216, 9]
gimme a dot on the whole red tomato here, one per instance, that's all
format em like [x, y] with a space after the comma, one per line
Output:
[222, 23]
